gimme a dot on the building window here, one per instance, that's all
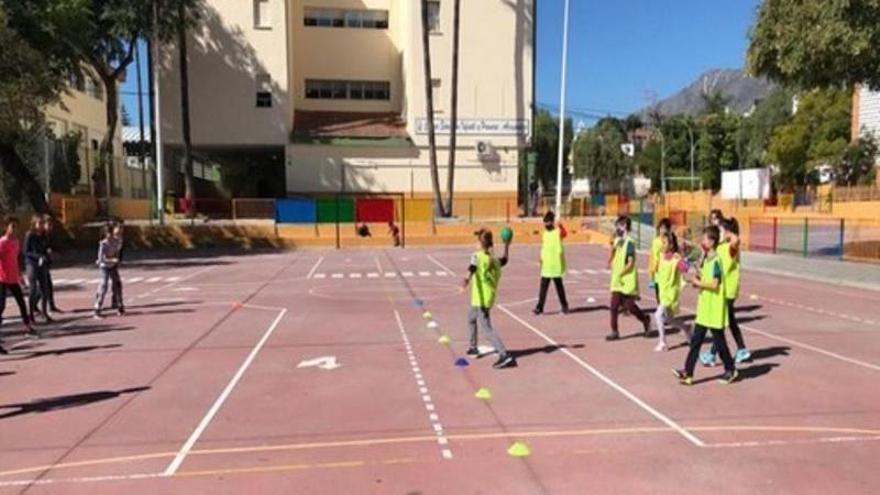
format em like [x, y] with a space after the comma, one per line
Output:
[433, 16]
[94, 88]
[262, 16]
[264, 91]
[365, 19]
[317, 89]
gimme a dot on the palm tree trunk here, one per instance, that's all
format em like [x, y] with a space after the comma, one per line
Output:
[450, 177]
[429, 103]
[184, 111]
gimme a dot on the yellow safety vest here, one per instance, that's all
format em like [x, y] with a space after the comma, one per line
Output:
[730, 265]
[656, 255]
[668, 280]
[711, 304]
[625, 283]
[484, 282]
[552, 254]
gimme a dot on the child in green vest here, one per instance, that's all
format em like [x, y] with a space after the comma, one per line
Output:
[711, 311]
[552, 263]
[728, 253]
[670, 267]
[663, 227]
[484, 274]
[624, 277]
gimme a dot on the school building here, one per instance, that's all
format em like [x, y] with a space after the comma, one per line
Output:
[866, 116]
[326, 96]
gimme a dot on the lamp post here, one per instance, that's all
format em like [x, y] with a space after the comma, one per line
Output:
[561, 149]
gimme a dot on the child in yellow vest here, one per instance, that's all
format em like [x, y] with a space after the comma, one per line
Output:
[670, 267]
[729, 254]
[663, 227]
[624, 277]
[552, 263]
[711, 311]
[484, 274]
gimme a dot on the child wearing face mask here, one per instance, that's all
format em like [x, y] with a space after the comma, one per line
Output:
[624, 278]
[711, 311]
[552, 263]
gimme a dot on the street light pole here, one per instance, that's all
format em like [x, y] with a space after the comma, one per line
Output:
[691, 135]
[160, 204]
[561, 149]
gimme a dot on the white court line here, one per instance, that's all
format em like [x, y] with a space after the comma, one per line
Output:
[390, 274]
[320, 275]
[315, 267]
[372, 275]
[173, 279]
[441, 265]
[441, 273]
[354, 275]
[194, 437]
[591, 271]
[337, 275]
[153, 280]
[611, 383]
[407, 274]
[424, 274]
[77, 281]
[134, 280]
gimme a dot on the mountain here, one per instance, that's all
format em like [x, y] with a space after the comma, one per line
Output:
[741, 90]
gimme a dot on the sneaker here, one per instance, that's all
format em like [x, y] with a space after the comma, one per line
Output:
[33, 333]
[742, 355]
[729, 377]
[48, 319]
[56, 309]
[537, 312]
[97, 316]
[3, 350]
[683, 377]
[505, 361]
[473, 351]
[612, 336]
[120, 311]
[646, 322]
[565, 310]
[661, 347]
[708, 359]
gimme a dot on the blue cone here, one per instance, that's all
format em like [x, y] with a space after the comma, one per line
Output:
[461, 362]
[419, 303]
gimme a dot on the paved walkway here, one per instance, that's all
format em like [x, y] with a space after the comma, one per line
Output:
[851, 274]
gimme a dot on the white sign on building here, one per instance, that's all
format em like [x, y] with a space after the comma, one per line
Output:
[750, 183]
[477, 127]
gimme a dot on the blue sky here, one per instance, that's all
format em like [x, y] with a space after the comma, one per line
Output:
[621, 51]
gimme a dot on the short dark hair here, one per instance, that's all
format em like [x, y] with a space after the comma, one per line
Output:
[625, 222]
[666, 223]
[730, 225]
[485, 238]
[716, 213]
[549, 217]
[713, 234]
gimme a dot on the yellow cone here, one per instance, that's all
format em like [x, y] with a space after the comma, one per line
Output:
[483, 394]
[426, 315]
[519, 449]
[753, 297]
[444, 339]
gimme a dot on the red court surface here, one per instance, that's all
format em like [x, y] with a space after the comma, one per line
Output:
[205, 386]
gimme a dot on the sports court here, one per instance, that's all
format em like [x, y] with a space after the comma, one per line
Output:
[319, 370]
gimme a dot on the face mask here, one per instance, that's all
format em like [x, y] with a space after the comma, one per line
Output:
[620, 231]
[706, 245]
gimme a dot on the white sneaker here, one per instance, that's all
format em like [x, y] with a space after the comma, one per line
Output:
[661, 347]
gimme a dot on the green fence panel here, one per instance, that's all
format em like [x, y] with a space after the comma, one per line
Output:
[328, 208]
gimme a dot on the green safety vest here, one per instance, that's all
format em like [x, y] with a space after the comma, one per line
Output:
[711, 304]
[668, 280]
[552, 254]
[625, 283]
[730, 265]
[484, 282]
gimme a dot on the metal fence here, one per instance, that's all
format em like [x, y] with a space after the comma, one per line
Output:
[840, 238]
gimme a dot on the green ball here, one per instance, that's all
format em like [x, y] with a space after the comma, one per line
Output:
[506, 234]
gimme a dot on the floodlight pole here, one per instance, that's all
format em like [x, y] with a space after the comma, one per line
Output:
[157, 111]
[561, 150]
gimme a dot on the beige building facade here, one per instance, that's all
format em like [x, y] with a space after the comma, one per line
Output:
[82, 110]
[866, 116]
[333, 91]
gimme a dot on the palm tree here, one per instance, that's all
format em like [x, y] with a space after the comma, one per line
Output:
[429, 103]
[450, 178]
[182, 19]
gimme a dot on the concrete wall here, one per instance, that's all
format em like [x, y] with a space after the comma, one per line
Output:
[319, 168]
[225, 57]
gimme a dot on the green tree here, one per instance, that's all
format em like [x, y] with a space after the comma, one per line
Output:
[757, 129]
[714, 103]
[819, 133]
[598, 155]
[545, 142]
[858, 164]
[35, 60]
[817, 43]
[717, 147]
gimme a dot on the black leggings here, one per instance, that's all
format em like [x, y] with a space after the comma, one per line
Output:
[38, 279]
[734, 327]
[560, 291]
[628, 302]
[697, 342]
[15, 289]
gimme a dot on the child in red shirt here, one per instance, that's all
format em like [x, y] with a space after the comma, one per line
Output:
[10, 273]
